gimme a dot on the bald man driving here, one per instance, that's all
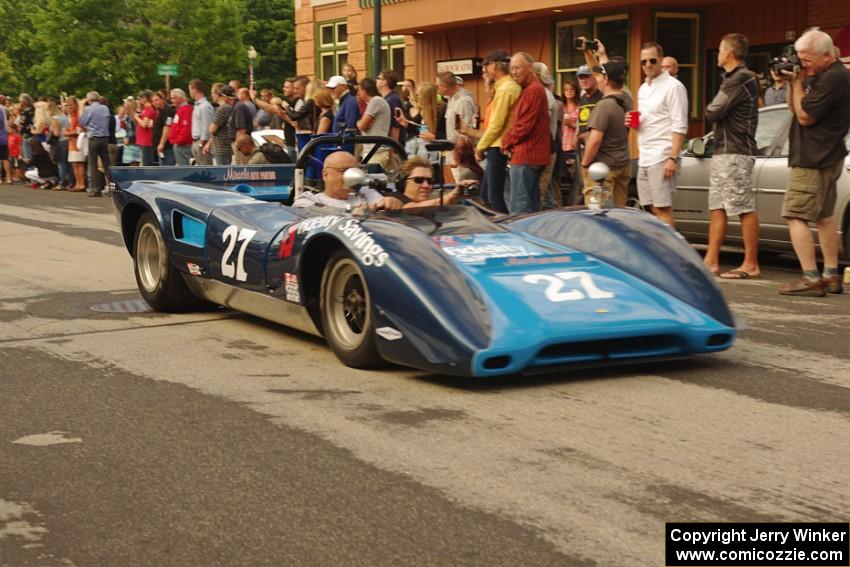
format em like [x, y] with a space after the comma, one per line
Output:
[337, 195]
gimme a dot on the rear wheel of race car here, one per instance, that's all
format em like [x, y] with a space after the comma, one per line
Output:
[160, 284]
[347, 312]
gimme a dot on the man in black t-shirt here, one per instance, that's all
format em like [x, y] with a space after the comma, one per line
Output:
[161, 128]
[590, 95]
[818, 98]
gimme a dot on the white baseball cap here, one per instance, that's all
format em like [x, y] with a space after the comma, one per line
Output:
[336, 81]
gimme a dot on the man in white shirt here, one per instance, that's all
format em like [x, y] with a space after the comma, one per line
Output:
[663, 106]
[203, 115]
[338, 195]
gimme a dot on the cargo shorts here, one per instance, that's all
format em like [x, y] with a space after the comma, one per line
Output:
[810, 194]
[730, 185]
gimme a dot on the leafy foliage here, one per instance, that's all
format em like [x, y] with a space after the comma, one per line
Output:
[114, 46]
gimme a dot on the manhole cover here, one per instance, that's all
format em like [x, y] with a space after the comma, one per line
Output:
[132, 306]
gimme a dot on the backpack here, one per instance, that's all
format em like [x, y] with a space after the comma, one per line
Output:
[274, 153]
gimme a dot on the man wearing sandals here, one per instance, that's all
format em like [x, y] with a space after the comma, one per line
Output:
[734, 114]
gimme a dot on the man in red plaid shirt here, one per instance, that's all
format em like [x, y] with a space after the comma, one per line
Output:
[527, 142]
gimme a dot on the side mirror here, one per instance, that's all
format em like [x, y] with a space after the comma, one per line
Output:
[696, 146]
[598, 171]
[354, 177]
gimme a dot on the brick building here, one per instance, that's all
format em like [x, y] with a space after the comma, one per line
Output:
[420, 35]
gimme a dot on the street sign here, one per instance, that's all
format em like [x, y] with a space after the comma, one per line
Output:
[167, 70]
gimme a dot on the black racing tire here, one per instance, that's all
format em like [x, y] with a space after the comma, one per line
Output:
[160, 284]
[346, 308]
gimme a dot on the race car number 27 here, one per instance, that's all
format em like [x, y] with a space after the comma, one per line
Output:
[556, 282]
[231, 236]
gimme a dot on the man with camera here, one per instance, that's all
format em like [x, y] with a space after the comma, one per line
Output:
[588, 97]
[734, 115]
[777, 92]
[818, 98]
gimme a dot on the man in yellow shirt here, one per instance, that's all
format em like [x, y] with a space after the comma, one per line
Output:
[497, 65]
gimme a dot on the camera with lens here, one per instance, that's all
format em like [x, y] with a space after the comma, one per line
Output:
[787, 63]
[583, 44]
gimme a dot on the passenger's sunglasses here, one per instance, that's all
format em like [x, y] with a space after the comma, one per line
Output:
[652, 61]
[420, 180]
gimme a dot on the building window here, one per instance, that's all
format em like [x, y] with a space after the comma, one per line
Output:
[331, 47]
[613, 30]
[679, 35]
[392, 55]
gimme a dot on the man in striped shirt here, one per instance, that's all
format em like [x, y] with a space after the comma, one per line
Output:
[527, 142]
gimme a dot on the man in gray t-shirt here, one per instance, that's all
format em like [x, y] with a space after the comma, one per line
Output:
[608, 139]
[376, 118]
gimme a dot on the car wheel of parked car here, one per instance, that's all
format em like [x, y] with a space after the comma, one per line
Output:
[347, 312]
[160, 284]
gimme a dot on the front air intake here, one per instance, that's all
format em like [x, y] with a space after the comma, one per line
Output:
[610, 349]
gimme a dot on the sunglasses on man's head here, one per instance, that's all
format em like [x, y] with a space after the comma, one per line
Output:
[651, 61]
[419, 180]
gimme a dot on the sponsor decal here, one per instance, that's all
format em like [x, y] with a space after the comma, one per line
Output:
[529, 260]
[245, 174]
[293, 293]
[288, 243]
[194, 269]
[388, 333]
[472, 254]
[369, 252]
[477, 249]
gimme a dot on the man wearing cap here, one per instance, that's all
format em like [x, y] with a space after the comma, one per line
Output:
[608, 137]
[590, 95]
[348, 114]
[497, 66]
[663, 105]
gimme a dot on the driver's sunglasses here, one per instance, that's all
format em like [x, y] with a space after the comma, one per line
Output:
[420, 180]
[651, 61]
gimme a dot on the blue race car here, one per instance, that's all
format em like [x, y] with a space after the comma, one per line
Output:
[447, 289]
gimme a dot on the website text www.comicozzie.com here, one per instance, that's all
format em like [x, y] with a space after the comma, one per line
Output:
[754, 544]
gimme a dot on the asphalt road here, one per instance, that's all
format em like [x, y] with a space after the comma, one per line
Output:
[137, 438]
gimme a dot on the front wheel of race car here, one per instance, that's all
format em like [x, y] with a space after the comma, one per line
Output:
[160, 284]
[347, 313]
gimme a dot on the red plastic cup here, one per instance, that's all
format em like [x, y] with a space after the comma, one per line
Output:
[634, 119]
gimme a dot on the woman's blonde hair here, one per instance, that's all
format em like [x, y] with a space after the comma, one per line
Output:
[427, 96]
[41, 119]
[323, 98]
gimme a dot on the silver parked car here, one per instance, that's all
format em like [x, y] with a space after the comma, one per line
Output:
[770, 176]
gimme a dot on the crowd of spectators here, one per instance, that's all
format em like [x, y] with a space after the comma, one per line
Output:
[531, 139]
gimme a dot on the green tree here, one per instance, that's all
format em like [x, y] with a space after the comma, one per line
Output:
[271, 30]
[16, 53]
[114, 46]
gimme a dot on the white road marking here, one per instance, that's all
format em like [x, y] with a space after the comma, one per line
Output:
[47, 439]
